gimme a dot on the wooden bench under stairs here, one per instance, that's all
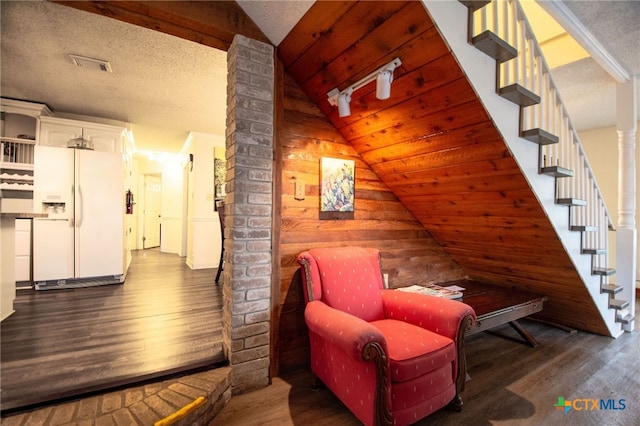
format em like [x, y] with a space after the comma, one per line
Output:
[523, 78]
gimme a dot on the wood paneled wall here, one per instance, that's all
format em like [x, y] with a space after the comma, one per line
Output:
[409, 254]
[435, 147]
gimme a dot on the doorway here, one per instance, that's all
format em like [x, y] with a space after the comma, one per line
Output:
[151, 230]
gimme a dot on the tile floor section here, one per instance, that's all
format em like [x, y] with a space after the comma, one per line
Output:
[140, 405]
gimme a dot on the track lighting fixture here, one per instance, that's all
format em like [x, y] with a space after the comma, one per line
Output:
[383, 77]
[344, 103]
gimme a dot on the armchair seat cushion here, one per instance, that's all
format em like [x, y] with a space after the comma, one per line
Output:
[415, 351]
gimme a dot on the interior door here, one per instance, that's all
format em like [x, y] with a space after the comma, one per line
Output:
[152, 210]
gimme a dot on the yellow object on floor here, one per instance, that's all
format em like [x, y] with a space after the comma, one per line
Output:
[172, 418]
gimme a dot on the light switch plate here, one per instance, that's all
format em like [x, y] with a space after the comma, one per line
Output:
[299, 191]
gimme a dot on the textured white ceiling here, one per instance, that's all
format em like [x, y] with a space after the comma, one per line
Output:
[589, 99]
[275, 18]
[589, 93]
[616, 24]
[166, 86]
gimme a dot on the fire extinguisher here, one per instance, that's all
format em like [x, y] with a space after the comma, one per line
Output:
[130, 202]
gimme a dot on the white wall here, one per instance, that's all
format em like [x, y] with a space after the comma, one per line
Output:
[204, 242]
[129, 184]
[601, 146]
[172, 212]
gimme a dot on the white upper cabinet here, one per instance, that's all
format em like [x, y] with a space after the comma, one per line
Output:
[109, 140]
[59, 131]
[55, 134]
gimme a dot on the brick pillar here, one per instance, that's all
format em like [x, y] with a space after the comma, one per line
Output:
[248, 205]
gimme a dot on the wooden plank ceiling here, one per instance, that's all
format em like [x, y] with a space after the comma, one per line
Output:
[433, 144]
[211, 23]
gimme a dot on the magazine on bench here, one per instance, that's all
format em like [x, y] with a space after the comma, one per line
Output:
[434, 290]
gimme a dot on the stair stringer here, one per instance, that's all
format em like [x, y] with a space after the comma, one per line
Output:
[450, 17]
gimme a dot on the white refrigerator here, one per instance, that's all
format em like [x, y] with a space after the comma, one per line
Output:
[81, 241]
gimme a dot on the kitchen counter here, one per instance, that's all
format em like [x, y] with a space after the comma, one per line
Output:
[22, 215]
[7, 259]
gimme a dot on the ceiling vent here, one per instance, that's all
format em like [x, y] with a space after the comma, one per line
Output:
[90, 63]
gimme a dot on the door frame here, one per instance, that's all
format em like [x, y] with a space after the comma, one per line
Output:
[140, 207]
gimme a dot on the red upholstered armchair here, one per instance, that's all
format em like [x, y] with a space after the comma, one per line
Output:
[392, 357]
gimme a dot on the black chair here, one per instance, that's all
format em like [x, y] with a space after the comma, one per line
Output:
[220, 207]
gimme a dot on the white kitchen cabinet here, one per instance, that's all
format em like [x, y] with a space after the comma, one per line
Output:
[18, 136]
[57, 132]
[23, 250]
[52, 249]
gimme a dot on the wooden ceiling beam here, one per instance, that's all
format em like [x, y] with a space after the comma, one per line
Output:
[212, 23]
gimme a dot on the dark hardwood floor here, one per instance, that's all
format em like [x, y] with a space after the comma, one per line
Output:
[511, 384]
[165, 319]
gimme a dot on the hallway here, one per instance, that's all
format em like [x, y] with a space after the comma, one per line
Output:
[165, 319]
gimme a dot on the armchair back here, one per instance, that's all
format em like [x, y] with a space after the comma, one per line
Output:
[346, 278]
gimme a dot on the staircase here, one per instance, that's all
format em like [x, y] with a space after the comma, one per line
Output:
[500, 30]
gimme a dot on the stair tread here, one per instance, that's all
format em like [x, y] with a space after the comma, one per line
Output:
[475, 4]
[491, 44]
[539, 136]
[627, 319]
[618, 304]
[583, 228]
[594, 251]
[603, 271]
[556, 171]
[519, 95]
[571, 202]
[610, 288]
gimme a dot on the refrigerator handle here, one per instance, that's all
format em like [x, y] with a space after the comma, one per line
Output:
[79, 215]
[71, 216]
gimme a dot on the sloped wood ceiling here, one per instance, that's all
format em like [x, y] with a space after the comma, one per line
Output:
[433, 144]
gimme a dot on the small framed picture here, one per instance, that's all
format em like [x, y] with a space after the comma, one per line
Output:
[337, 185]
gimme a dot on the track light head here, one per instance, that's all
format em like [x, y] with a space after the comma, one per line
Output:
[344, 104]
[383, 84]
[383, 77]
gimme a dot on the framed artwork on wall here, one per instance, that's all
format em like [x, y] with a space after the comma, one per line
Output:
[337, 185]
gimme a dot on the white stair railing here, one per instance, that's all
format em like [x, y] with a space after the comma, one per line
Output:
[530, 70]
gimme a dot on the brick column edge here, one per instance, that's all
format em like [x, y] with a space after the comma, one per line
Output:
[246, 278]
